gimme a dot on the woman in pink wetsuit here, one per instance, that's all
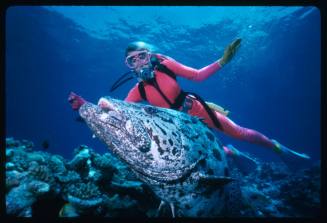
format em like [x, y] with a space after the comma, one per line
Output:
[157, 85]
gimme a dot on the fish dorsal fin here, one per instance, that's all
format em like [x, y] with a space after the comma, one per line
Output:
[214, 180]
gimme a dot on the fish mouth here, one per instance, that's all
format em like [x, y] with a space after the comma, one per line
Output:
[96, 118]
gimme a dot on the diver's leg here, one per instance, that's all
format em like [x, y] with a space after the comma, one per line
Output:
[232, 129]
[252, 136]
[229, 127]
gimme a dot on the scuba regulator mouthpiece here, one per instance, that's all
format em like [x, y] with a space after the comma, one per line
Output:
[146, 74]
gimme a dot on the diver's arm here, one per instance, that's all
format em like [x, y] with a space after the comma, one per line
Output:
[134, 95]
[202, 74]
[191, 73]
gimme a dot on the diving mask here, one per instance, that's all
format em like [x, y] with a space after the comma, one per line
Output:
[137, 59]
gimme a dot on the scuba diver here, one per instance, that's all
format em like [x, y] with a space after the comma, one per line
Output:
[157, 84]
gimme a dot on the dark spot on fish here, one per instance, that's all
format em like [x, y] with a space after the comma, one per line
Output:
[181, 193]
[200, 152]
[194, 120]
[171, 142]
[160, 150]
[144, 149]
[216, 154]
[162, 130]
[186, 134]
[187, 206]
[147, 120]
[174, 134]
[186, 121]
[210, 136]
[114, 117]
[195, 137]
[156, 139]
[210, 171]
[226, 172]
[164, 142]
[167, 120]
[151, 110]
[150, 131]
[174, 151]
[186, 147]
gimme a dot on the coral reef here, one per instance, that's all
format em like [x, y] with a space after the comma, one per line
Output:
[301, 193]
[273, 191]
[92, 184]
[20, 199]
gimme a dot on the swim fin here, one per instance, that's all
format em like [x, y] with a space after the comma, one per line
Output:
[293, 160]
[243, 161]
[279, 148]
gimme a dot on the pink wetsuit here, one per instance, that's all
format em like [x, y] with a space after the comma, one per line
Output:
[171, 89]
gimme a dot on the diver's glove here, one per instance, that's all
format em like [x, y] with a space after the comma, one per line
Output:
[229, 52]
[75, 100]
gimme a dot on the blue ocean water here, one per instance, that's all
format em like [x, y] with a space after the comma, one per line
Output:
[272, 85]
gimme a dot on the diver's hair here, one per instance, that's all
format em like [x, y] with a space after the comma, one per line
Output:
[139, 45]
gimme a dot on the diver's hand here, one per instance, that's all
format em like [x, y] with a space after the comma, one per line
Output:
[75, 100]
[229, 52]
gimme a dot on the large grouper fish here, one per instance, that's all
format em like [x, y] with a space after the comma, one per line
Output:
[176, 154]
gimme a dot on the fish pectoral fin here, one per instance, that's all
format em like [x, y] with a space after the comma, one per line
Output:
[162, 203]
[214, 180]
[172, 208]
